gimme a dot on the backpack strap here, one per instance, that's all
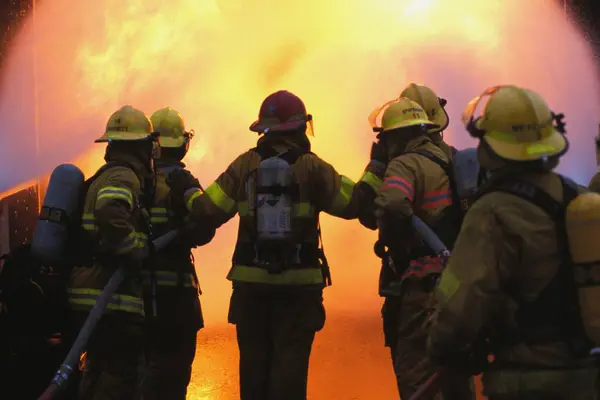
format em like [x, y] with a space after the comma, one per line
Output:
[448, 170]
[290, 156]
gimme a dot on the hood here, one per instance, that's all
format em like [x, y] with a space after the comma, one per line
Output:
[168, 166]
[135, 155]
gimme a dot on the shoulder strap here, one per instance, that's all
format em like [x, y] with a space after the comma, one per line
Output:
[530, 192]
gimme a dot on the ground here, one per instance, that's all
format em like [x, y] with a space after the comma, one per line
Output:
[349, 362]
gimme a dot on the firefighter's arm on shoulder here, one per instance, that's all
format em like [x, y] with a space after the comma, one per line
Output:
[470, 288]
[339, 196]
[217, 204]
[393, 205]
[115, 203]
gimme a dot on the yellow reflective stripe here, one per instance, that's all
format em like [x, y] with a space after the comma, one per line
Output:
[159, 215]
[88, 221]
[304, 276]
[190, 200]
[299, 210]
[169, 278]
[220, 198]
[372, 180]
[344, 196]
[132, 241]
[448, 284]
[115, 193]
[117, 302]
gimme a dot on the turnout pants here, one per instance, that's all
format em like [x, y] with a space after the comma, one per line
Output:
[275, 332]
[111, 365]
[170, 342]
[406, 321]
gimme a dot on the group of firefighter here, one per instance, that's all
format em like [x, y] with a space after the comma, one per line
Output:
[502, 292]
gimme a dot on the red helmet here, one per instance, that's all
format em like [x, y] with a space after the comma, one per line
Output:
[282, 111]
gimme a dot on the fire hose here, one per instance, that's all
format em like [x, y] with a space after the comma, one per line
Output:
[72, 359]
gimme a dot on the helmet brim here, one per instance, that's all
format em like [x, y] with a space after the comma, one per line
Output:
[415, 122]
[122, 136]
[259, 127]
[553, 145]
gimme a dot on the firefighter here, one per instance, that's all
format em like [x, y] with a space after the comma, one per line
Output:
[503, 290]
[436, 113]
[279, 269]
[115, 218]
[171, 288]
[414, 184]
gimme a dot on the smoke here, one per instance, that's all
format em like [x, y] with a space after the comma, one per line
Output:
[215, 60]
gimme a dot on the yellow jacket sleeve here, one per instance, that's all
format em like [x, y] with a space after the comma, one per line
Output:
[116, 202]
[218, 203]
[470, 288]
[338, 195]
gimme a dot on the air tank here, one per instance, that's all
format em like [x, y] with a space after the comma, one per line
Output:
[59, 215]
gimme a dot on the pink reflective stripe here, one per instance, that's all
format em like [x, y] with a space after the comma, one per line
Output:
[437, 198]
[397, 182]
[423, 266]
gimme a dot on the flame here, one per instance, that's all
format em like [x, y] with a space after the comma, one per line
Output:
[216, 60]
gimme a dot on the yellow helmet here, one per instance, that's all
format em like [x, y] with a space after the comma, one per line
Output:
[431, 103]
[127, 123]
[170, 127]
[401, 113]
[517, 124]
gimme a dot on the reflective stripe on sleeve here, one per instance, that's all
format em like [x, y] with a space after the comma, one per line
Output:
[344, 196]
[396, 182]
[88, 222]
[218, 196]
[115, 193]
[192, 195]
[159, 215]
[86, 298]
[437, 198]
[372, 180]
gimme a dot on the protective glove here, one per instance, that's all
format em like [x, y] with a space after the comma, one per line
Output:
[180, 181]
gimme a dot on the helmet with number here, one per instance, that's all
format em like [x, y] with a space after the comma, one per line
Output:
[280, 112]
[399, 114]
[517, 124]
[170, 127]
[431, 103]
[127, 124]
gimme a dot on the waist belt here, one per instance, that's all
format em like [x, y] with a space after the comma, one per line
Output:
[170, 279]
[302, 255]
